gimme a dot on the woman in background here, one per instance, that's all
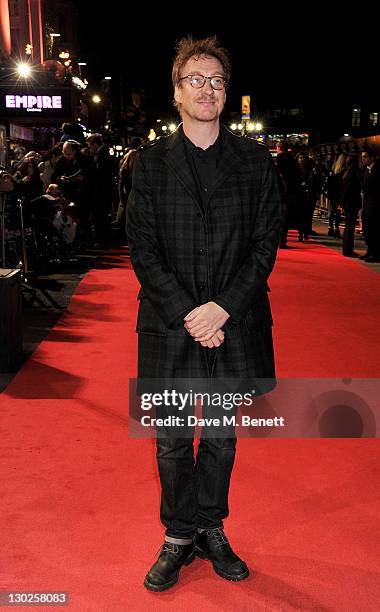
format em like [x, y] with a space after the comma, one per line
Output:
[334, 194]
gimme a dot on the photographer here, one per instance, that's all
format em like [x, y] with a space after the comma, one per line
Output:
[73, 172]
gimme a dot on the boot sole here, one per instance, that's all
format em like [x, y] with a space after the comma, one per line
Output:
[202, 555]
[157, 588]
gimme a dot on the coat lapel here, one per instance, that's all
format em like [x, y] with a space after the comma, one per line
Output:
[176, 160]
[229, 160]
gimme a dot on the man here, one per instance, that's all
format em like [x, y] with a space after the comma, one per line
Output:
[290, 188]
[46, 167]
[371, 205]
[74, 174]
[203, 225]
[103, 187]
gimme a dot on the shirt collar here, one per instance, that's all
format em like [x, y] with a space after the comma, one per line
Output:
[202, 153]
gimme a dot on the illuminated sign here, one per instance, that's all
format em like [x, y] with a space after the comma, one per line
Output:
[33, 103]
[246, 107]
[36, 104]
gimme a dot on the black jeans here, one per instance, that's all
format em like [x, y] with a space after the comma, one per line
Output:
[334, 215]
[351, 216]
[194, 493]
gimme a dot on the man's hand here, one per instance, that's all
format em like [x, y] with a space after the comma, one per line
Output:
[215, 341]
[205, 321]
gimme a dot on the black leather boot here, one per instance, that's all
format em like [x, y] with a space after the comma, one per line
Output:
[165, 572]
[212, 544]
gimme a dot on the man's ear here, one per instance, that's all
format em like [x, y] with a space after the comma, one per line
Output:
[178, 94]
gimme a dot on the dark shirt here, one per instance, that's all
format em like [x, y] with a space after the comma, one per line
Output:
[203, 163]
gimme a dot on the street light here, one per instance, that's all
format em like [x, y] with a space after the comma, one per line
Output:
[24, 70]
[96, 99]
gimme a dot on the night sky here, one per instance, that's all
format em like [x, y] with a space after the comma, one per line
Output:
[278, 56]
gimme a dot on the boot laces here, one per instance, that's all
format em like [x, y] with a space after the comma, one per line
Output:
[218, 535]
[170, 547]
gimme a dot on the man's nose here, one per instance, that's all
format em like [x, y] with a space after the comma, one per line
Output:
[208, 87]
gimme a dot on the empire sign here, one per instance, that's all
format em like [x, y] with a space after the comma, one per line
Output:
[38, 105]
[33, 103]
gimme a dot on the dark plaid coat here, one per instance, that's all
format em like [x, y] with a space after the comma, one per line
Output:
[184, 258]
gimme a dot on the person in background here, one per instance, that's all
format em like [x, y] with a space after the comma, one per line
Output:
[371, 205]
[320, 174]
[351, 203]
[28, 179]
[307, 195]
[28, 186]
[125, 185]
[46, 167]
[73, 172]
[289, 186]
[334, 194]
[104, 184]
[72, 131]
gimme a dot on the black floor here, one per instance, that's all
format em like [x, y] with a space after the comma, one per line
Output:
[47, 298]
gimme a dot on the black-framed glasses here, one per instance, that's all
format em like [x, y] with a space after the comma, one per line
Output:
[198, 80]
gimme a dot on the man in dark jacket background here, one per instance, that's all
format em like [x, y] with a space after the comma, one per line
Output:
[74, 174]
[103, 187]
[203, 229]
[371, 205]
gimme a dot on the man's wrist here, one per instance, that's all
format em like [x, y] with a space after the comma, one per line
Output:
[222, 304]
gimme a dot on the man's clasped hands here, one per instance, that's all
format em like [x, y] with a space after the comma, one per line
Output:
[204, 324]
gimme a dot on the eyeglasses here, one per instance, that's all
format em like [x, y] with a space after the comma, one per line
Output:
[198, 80]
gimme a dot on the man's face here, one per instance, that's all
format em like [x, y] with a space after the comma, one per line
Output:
[69, 152]
[205, 103]
[366, 159]
[92, 147]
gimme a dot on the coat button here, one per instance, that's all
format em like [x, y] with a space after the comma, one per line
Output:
[202, 286]
[201, 251]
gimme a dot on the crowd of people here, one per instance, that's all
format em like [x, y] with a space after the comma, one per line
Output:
[72, 195]
[76, 192]
[351, 183]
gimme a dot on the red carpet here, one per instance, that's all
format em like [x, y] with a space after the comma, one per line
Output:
[80, 499]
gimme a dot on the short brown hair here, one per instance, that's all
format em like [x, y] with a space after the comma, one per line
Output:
[95, 139]
[189, 47]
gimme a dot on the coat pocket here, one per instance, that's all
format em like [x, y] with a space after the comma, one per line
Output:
[148, 321]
